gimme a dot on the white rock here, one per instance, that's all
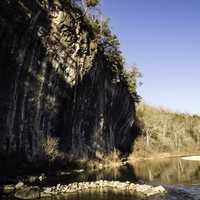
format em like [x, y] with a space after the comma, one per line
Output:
[19, 185]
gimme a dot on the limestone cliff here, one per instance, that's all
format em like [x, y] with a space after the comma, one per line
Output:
[55, 80]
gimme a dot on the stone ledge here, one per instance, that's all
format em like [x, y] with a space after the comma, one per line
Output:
[26, 192]
[145, 190]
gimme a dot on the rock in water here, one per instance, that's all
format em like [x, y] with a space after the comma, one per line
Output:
[139, 190]
[19, 185]
[28, 193]
[8, 188]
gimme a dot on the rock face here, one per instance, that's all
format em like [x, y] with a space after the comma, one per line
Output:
[55, 81]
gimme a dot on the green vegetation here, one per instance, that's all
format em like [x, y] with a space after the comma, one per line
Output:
[110, 46]
[162, 131]
[92, 3]
[130, 76]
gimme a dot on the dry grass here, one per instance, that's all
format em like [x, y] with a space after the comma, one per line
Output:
[111, 160]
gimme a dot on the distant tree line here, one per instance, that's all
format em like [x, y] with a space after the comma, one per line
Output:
[163, 131]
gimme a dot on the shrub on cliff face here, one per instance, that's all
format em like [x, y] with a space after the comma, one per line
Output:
[51, 149]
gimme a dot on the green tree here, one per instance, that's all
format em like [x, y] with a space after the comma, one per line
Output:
[92, 3]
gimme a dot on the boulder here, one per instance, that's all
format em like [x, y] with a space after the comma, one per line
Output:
[8, 188]
[19, 185]
[28, 193]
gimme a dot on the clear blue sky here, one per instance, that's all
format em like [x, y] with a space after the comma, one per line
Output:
[163, 38]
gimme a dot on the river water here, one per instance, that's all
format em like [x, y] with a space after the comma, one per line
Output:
[173, 173]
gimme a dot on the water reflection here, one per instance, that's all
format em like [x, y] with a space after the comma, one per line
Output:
[163, 171]
[166, 171]
[100, 195]
[124, 173]
[169, 171]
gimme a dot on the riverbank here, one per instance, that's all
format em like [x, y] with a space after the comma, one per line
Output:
[191, 158]
[132, 158]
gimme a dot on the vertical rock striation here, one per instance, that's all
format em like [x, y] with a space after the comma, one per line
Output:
[55, 81]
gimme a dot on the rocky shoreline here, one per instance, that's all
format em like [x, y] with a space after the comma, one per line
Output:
[22, 191]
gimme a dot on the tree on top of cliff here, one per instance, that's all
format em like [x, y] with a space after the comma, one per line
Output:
[131, 76]
[92, 3]
[111, 49]
[111, 46]
[85, 4]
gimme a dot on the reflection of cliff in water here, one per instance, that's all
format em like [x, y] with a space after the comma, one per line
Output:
[169, 171]
[100, 195]
[123, 173]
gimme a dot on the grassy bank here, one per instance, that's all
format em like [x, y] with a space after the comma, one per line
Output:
[164, 133]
